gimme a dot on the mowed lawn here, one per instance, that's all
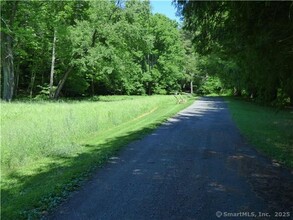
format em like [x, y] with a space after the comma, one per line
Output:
[269, 129]
[49, 148]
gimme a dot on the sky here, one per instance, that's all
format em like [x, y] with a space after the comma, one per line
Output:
[164, 7]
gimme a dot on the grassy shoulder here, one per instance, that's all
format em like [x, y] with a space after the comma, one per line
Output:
[268, 129]
[31, 189]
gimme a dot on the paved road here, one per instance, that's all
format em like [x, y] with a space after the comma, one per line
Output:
[192, 166]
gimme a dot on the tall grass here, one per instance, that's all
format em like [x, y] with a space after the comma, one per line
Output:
[30, 131]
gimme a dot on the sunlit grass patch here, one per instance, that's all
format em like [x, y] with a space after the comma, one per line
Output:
[35, 130]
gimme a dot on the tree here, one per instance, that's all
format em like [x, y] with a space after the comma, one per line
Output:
[166, 60]
[80, 48]
[255, 36]
[7, 44]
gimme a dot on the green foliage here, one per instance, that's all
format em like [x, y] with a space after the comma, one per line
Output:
[76, 85]
[43, 93]
[211, 85]
[109, 47]
[252, 40]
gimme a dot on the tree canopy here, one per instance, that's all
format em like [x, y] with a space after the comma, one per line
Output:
[84, 48]
[250, 44]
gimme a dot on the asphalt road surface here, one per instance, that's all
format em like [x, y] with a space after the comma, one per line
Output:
[195, 166]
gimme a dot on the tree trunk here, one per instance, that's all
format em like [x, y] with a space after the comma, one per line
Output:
[7, 68]
[61, 83]
[52, 66]
[237, 92]
[7, 58]
[149, 86]
[33, 77]
[291, 100]
[16, 80]
[191, 86]
[93, 86]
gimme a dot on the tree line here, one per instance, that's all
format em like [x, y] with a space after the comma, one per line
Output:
[248, 46]
[85, 48]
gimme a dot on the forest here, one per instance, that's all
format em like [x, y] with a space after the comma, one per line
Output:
[88, 48]
[247, 45]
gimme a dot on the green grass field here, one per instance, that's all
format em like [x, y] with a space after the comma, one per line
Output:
[268, 129]
[48, 149]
